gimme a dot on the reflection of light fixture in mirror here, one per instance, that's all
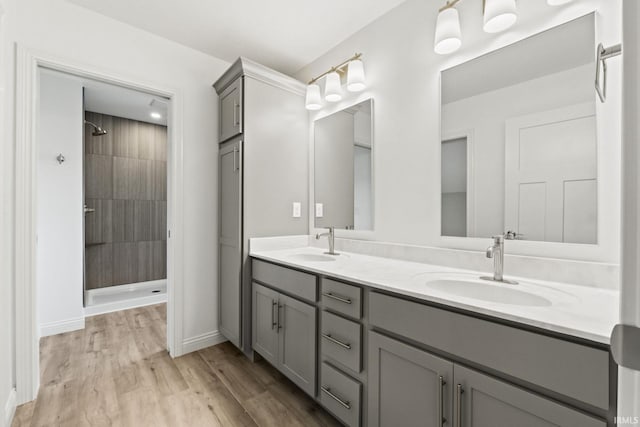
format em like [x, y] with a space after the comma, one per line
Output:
[313, 99]
[353, 67]
[448, 35]
[499, 15]
[332, 88]
[355, 76]
[558, 2]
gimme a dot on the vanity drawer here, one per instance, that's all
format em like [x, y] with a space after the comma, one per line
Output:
[340, 394]
[342, 298]
[574, 370]
[342, 340]
[290, 281]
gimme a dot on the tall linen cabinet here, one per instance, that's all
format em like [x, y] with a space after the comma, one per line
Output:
[263, 169]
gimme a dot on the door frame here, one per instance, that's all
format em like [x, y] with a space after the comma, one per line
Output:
[28, 62]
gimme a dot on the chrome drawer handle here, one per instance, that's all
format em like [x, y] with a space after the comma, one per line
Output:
[337, 298]
[439, 415]
[327, 390]
[459, 391]
[335, 341]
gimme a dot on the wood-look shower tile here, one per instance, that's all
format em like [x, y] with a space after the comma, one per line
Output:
[159, 248]
[124, 180]
[125, 138]
[98, 144]
[160, 180]
[99, 224]
[125, 263]
[145, 261]
[143, 225]
[98, 174]
[123, 220]
[161, 143]
[146, 141]
[146, 189]
[99, 265]
[159, 220]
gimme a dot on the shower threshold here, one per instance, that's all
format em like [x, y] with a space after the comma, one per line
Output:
[122, 297]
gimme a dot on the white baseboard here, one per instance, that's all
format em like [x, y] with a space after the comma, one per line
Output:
[61, 326]
[9, 409]
[202, 341]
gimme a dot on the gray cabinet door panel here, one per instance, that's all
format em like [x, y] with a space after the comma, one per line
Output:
[404, 385]
[575, 370]
[489, 402]
[230, 243]
[293, 282]
[341, 340]
[230, 105]
[265, 323]
[297, 336]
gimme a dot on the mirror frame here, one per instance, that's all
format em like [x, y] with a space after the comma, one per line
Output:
[608, 131]
[325, 112]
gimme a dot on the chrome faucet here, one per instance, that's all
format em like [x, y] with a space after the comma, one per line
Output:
[497, 253]
[331, 238]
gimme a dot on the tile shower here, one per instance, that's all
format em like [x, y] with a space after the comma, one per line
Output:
[126, 184]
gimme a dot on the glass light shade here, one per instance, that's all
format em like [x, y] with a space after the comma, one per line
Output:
[313, 99]
[332, 88]
[355, 76]
[499, 15]
[558, 2]
[448, 35]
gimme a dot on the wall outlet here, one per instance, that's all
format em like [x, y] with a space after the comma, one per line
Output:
[319, 210]
[297, 209]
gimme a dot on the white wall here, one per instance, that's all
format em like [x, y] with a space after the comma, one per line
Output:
[403, 76]
[77, 35]
[59, 224]
[484, 115]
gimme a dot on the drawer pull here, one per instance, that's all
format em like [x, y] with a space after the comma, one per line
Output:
[335, 341]
[459, 391]
[440, 417]
[327, 390]
[337, 298]
[274, 303]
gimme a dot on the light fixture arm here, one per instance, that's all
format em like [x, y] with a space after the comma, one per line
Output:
[448, 5]
[340, 67]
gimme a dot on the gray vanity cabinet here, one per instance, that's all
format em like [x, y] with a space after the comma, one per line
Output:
[485, 401]
[265, 322]
[230, 238]
[230, 110]
[407, 386]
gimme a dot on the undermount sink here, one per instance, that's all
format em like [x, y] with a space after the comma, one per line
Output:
[491, 292]
[313, 257]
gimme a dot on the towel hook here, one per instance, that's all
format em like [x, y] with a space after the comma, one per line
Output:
[601, 62]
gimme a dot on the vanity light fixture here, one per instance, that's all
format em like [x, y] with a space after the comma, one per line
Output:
[356, 82]
[498, 15]
[155, 115]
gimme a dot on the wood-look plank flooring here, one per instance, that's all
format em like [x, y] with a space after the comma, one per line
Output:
[117, 372]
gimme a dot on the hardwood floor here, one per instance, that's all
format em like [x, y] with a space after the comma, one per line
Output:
[117, 372]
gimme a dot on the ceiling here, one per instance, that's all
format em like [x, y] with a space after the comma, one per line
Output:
[285, 34]
[118, 101]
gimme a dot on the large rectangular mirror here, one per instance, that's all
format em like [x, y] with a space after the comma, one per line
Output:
[519, 148]
[343, 159]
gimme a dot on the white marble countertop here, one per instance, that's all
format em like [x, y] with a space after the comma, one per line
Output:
[579, 311]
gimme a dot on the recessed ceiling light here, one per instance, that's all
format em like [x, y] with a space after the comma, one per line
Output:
[156, 115]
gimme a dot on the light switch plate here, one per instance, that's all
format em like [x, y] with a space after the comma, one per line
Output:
[297, 209]
[319, 210]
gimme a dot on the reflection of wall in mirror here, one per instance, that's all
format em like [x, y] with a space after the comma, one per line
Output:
[454, 187]
[362, 191]
[486, 115]
[333, 164]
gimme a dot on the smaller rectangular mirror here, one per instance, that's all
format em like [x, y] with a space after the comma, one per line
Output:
[343, 173]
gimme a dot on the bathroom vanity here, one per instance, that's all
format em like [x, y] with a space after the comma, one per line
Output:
[396, 349]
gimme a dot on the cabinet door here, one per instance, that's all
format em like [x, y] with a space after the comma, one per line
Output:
[484, 401]
[230, 244]
[265, 322]
[407, 386]
[230, 105]
[297, 336]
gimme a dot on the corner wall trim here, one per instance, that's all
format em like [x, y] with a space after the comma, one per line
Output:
[61, 326]
[9, 409]
[202, 341]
